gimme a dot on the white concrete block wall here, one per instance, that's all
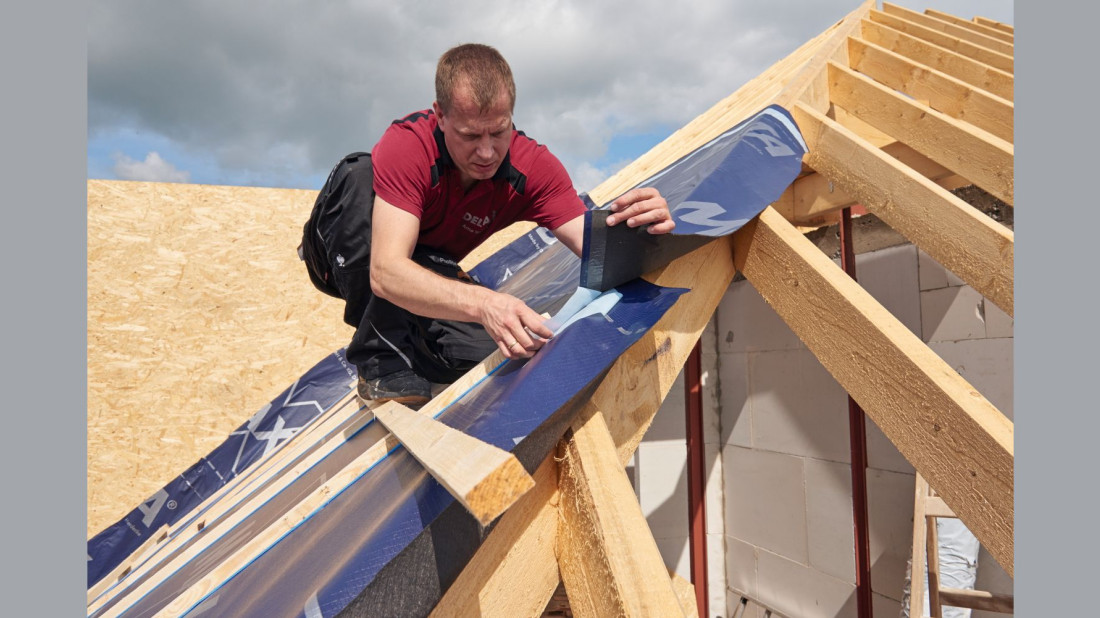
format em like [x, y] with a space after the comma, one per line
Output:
[784, 441]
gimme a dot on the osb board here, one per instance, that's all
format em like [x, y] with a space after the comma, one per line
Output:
[199, 313]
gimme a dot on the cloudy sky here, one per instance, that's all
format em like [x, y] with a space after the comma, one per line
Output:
[218, 92]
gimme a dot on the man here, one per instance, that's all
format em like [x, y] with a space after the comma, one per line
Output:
[389, 227]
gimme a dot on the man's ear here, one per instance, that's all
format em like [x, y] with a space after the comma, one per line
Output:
[438, 111]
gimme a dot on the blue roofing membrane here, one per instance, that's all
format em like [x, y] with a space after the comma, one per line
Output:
[325, 562]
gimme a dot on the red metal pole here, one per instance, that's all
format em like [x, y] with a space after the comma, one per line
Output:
[696, 458]
[857, 438]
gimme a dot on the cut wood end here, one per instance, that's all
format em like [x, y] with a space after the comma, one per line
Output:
[498, 491]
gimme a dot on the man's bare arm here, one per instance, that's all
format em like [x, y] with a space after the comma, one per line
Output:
[517, 329]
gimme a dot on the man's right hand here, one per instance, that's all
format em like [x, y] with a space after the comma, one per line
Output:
[518, 331]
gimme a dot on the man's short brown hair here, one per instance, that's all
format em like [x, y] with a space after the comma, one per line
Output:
[481, 68]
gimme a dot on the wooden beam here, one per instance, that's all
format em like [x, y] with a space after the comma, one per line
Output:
[936, 507]
[975, 73]
[960, 46]
[685, 592]
[985, 159]
[484, 478]
[998, 26]
[954, 27]
[606, 553]
[515, 571]
[996, 33]
[918, 558]
[970, 244]
[943, 92]
[813, 196]
[977, 599]
[950, 433]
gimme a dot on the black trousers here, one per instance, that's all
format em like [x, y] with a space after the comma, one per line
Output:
[336, 249]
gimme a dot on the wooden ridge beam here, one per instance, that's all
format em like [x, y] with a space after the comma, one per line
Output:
[975, 73]
[943, 92]
[955, 234]
[1001, 28]
[483, 478]
[985, 159]
[950, 433]
[607, 557]
[954, 27]
[813, 196]
[976, 52]
[996, 33]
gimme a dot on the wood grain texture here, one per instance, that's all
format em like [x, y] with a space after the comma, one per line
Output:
[992, 29]
[199, 314]
[813, 196]
[607, 557]
[514, 572]
[943, 92]
[985, 159]
[955, 234]
[966, 69]
[1000, 28]
[954, 27]
[950, 433]
[963, 47]
[484, 478]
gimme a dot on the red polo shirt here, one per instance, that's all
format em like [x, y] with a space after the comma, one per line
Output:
[414, 172]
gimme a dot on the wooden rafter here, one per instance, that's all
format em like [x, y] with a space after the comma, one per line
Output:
[485, 479]
[607, 557]
[958, 45]
[971, 71]
[985, 159]
[943, 92]
[955, 234]
[959, 441]
[1002, 32]
[1000, 29]
[813, 196]
[954, 27]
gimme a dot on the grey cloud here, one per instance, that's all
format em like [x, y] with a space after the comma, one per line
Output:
[283, 89]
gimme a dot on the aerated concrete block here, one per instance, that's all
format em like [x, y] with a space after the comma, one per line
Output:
[986, 364]
[830, 535]
[890, 510]
[747, 323]
[741, 566]
[952, 314]
[662, 487]
[797, 407]
[890, 276]
[797, 590]
[736, 421]
[765, 500]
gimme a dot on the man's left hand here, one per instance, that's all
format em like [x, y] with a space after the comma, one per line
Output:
[642, 206]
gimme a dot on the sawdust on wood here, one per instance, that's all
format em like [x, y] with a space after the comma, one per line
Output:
[199, 313]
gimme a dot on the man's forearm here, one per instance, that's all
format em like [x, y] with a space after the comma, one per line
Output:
[425, 293]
